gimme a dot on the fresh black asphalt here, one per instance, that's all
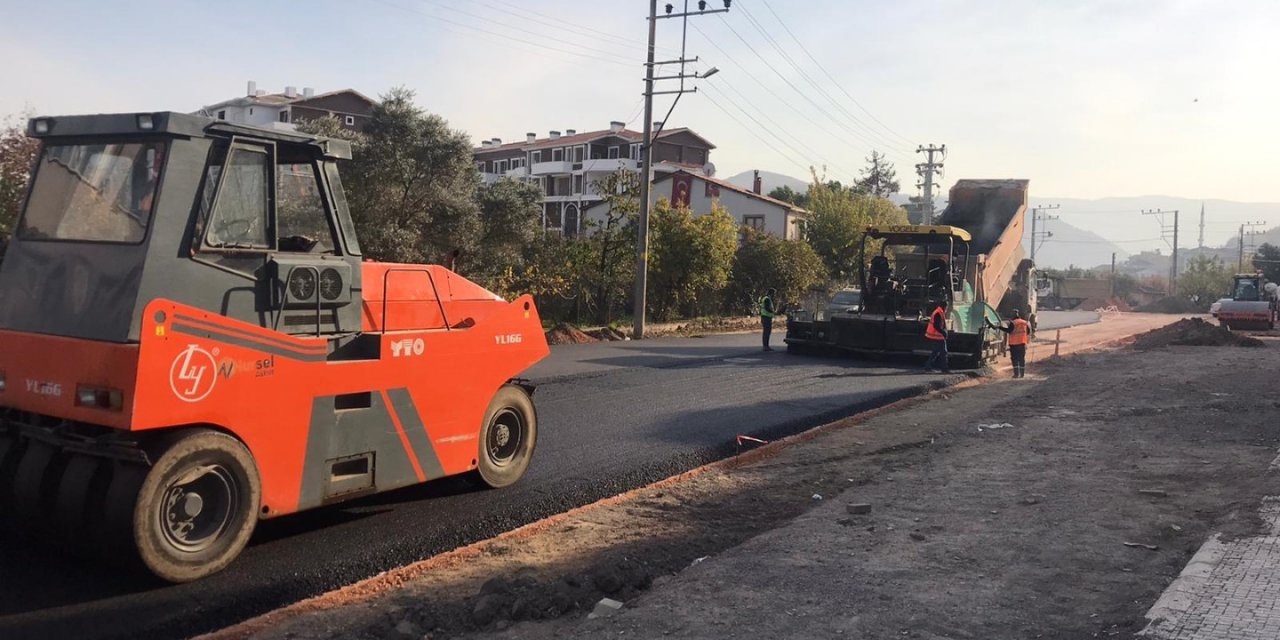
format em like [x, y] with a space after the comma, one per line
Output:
[612, 417]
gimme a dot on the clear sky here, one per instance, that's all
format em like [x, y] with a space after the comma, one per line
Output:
[1087, 98]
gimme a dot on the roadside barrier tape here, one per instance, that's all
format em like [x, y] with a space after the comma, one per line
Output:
[742, 439]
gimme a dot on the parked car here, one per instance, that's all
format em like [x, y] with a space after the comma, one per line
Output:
[845, 301]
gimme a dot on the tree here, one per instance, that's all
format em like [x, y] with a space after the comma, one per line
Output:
[838, 218]
[1267, 260]
[510, 214]
[763, 261]
[787, 194]
[610, 240]
[412, 185]
[878, 178]
[17, 156]
[1205, 280]
[689, 258]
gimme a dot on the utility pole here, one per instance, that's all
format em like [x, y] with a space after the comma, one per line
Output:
[1250, 225]
[1200, 244]
[1165, 230]
[1113, 274]
[646, 145]
[926, 170]
[1037, 235]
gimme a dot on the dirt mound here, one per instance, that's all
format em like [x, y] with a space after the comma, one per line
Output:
[1194, 332]
[1172, 305]
[1094, 304]
[565, 333]
[607, 334]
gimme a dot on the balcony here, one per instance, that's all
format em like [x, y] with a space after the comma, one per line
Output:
[610, 165]
[550, 168]
[517, 173]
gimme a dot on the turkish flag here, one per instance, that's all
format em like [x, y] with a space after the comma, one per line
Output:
[681, 185]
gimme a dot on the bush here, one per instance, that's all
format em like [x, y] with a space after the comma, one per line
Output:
[765, 261]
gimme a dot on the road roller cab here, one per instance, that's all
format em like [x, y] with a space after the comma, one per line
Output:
[190, 340]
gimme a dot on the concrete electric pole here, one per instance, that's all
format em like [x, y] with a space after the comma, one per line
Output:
[926, 170]
[1036, 236]
[1200, 243]
[1165, 230]
[646, 145]
[1250, 225]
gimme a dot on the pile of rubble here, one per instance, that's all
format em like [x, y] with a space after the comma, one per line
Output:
[565, 333]
[1194, 332]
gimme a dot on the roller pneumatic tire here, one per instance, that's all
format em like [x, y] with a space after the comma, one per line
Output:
[78, 502]
[508, 436]
[197, 506]
[10, 454]
[34, 485]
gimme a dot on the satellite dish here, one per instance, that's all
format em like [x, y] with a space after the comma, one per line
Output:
[709, 170]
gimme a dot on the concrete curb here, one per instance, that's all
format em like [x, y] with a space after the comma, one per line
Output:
[1167, 614]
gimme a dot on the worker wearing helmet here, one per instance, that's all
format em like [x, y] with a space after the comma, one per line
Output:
[1019, 331]
[936, 332]
[767, 312]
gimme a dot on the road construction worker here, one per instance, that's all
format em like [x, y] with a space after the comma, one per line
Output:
[1019, 331]
[936, 333]
[767, 312]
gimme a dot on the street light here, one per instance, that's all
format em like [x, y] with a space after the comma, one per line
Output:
[709, 72]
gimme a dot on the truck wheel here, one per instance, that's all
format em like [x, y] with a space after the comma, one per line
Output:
[197, 507]
[507, 438]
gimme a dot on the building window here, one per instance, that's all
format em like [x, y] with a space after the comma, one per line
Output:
[222, 115]
[577, 183]
[480, 166]
[578, 153]
[535, 157]
[557, 155]
[635, 152]
[350, 120]
[500, 166]
[613, 153]
[753, 222]
[284, 116]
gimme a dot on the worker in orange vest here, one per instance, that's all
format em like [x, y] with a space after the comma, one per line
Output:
[1019, 331]
[936, 332]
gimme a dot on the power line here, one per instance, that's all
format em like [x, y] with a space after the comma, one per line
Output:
[804, 150]
[789, 83]
[448, 7]
[829, 76]
[565, 25]
[882, 141]
[791, 105]
[504, 36]
[749, 129]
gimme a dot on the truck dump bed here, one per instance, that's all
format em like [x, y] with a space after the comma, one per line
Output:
[992, 211]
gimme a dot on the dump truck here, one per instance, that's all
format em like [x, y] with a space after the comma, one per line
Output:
[191, 342]
[1251, 305]
[972, 258]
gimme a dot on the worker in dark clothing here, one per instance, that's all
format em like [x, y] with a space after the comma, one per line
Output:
[767, 312]
[936, 332]
[1019, 331]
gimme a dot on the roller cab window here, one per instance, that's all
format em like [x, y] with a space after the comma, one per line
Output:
[94, 192]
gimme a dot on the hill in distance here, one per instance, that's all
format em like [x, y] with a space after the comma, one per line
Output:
[770, 181]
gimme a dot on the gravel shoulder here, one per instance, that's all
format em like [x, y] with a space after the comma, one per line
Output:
[1011, 532]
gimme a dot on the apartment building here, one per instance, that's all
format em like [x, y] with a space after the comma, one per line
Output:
[566, 165]
[283, 110]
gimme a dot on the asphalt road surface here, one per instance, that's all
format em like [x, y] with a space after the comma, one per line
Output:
[613, 416]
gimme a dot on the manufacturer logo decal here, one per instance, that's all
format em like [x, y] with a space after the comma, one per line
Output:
[407, 347]
[192, 374]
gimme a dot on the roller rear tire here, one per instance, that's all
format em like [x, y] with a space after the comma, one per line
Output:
[508, 437]
[197, 507]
